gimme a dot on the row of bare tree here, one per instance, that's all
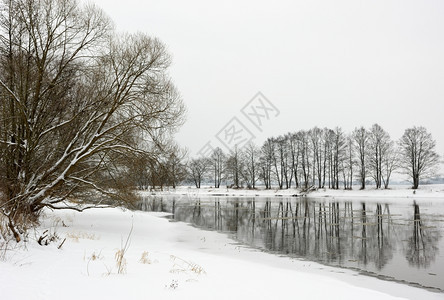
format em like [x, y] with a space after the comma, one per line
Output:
[322, 158]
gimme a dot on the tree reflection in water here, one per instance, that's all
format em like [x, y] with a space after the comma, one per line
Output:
[423, 243]
[338, 233]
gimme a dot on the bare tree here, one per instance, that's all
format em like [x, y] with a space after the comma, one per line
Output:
[158, 175]
[361, 139]
[280, 161]
[175, 166]
[306, 162]
[218, 160]
[338, 155]
[329, 135]
[326, 145]
[316, 137]
[390, 162]
[77, 101]
[379, 145]
[198, 169]
[251, 164]
[266, 162]
[418, 156]
[234, 167]
[285, 159]
[165, 169]
[140, 172]
[348, 163]
[295, 150]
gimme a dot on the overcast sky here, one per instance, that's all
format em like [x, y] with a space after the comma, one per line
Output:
[320, 63]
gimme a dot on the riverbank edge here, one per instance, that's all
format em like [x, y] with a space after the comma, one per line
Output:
[425, 192]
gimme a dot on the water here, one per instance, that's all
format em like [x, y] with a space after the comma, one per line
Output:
[400, 242]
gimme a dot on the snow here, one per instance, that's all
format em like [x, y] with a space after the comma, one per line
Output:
[432, 192]
[169, 260]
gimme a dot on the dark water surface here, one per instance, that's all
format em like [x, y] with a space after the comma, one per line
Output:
[399, 241]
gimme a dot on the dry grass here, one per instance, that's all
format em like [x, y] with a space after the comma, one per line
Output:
[75, 236]
[120, 261]
[120, 254]
[95, 256]
[183, 266]
[91, 258]
[145, 259]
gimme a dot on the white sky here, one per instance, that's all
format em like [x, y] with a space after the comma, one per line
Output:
[321, 63]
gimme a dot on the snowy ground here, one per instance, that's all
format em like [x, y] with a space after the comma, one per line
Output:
[169, 260]
[430, 192]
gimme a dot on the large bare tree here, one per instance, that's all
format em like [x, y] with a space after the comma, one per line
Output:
[77, 101]
[418, 155]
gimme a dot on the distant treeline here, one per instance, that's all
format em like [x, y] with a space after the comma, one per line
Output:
[312, 158]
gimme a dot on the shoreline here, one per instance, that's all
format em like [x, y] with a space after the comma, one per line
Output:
[432, 192]
[181, 262]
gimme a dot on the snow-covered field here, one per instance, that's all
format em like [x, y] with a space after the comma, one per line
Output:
[168, 260]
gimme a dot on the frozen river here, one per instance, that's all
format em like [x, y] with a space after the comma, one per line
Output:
[399, 241]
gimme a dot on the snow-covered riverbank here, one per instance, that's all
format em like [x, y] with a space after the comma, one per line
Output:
[168, 260]
[432, 191]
